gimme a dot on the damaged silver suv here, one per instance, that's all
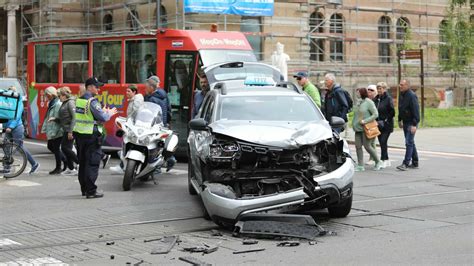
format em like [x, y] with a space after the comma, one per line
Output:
[268, 147]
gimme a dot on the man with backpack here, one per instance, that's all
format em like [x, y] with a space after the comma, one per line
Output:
[337, 101]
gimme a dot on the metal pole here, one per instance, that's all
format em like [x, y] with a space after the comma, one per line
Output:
[399, 76]
[422, 76]
[225, 22]
[184, 18]
[177, 13]
[158, 14]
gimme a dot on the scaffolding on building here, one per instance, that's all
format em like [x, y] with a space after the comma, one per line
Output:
[40, 18]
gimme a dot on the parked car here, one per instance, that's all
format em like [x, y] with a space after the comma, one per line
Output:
[5, 83]
[266, 147]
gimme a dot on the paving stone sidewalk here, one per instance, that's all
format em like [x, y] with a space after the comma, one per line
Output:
[450, 140]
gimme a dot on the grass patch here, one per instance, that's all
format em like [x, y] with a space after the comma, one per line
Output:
[434, 117]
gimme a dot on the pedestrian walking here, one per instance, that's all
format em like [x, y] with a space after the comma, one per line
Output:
[308, 87]
[372, 93]
[135, 102]
[53, 130]
[336, 103]
[386, 110]
[156, 94]
[364, 112]
[67, 120]
[88, 132]
[408, 119]
[14, 130]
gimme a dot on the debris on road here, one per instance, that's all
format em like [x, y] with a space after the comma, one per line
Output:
[278, 225]
[86, 249]
[194, 261]
[206, 249]
[288, 244]
[151, 240]
[249, 242]
[165, 245]
[112, 257]
[138, 263]
[110, 243]
[248, 251]
[312, 243]
[215, 233]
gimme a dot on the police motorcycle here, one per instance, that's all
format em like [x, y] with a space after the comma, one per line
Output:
[147, 144]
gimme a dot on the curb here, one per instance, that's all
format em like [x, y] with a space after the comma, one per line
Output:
[378, 145]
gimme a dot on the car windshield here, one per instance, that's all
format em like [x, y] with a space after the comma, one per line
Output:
[148, 115]
[210, 57]
[268, 108]
[242, 71]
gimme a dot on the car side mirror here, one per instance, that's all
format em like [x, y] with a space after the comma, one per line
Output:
[198, 124]
[337, 122]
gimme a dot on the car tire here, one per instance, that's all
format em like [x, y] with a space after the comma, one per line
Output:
[341, 210]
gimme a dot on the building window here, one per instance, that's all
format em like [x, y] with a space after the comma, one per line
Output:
[46, 63]
[140, 60]
[132, 21]
[443, 51]
[108, 22]
[106, 61]
[316, 46]
[253, 24]
[403, 24]
[336, 45]
[384, 34]
[75, 62]
[163, 17]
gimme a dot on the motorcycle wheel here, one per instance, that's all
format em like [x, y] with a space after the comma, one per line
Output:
[129, 175]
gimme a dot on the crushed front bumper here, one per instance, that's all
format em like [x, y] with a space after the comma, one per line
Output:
[336, 185]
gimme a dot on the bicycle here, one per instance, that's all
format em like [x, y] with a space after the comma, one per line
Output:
[12, 156]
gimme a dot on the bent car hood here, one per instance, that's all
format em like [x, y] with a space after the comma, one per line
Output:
[278, 134]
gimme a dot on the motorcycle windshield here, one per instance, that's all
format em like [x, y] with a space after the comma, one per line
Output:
[148, 115]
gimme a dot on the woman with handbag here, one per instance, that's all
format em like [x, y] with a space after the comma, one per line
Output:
[386, 110]
[365, 128]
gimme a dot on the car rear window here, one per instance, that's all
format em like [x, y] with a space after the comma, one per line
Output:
[268, 108]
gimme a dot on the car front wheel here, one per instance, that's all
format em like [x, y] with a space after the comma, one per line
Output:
[341, 210]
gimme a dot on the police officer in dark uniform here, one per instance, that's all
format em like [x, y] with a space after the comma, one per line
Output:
[88, 132]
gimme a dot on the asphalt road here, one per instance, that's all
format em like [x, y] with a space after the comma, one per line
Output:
[422, 216]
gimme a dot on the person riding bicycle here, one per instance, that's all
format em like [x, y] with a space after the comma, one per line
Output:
[15, 131]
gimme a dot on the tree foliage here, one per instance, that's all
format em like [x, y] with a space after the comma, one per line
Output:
[457, 37]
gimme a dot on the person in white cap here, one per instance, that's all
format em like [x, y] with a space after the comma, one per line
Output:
[53, 130]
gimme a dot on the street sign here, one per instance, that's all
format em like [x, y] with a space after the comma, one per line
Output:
[410, 61]
[410, 54]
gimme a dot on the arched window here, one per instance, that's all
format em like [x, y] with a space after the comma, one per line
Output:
[316, 46]
[132, 21]
[108, 22]
[443, 51]
[403, 24]
[336, 45]
[163, 17]
[253, 24]
[384, 36]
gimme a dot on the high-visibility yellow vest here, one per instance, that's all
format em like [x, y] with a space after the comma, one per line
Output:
[84, 119]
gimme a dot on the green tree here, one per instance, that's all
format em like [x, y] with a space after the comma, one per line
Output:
[457, 33]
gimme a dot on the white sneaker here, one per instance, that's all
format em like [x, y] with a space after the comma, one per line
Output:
[382, 164]
[387, 163]
[116, 169]
[370, 162]
[70, 172]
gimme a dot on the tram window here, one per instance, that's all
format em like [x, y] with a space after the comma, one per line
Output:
[75, 62]
[140, 60]
[106, 61]
[180, 78]
[46, 59]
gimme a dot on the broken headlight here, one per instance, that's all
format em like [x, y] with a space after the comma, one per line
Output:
[224, 150]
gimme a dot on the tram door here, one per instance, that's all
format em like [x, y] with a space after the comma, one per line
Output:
[180, 68]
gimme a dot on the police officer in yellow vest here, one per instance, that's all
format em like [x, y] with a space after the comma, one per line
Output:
[88, 132]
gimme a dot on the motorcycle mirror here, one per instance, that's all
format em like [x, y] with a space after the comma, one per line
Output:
[119, 133]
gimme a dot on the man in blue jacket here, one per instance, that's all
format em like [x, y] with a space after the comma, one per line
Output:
[408, 119]
[155, 94]
[335, 100]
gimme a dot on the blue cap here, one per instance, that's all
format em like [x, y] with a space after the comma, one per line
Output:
[301, 75]
[94, 81]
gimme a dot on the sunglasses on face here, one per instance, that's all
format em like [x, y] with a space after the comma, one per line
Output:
[371, 90]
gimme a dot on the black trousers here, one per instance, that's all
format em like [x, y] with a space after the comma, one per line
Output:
[383, 141]
[89, 153]
[66, 148]
[53, 146]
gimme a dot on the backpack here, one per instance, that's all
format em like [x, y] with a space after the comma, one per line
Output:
[348, 99]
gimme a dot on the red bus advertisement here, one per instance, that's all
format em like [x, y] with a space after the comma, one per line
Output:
[175, 56]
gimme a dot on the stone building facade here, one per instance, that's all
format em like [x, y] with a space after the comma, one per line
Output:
[356, 39]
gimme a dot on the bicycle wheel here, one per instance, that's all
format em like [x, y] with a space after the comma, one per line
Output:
[13, 159]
